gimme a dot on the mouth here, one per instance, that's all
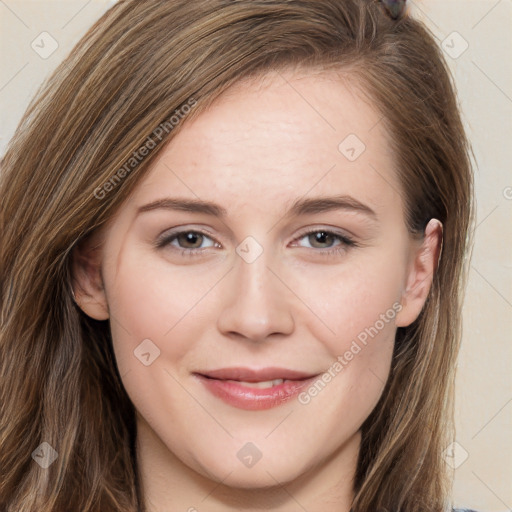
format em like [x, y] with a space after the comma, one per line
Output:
[258, 385]
[250, 389]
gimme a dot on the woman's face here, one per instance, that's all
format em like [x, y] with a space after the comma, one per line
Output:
[297, 259]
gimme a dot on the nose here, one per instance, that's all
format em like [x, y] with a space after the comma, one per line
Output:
[257, 302]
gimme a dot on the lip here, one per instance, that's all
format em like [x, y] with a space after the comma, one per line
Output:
[223, 384]
[256, 375]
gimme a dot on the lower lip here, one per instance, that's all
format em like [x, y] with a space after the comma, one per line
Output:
[254, 399]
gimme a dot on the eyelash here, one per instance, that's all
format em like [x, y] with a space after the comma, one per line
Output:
[346, 242]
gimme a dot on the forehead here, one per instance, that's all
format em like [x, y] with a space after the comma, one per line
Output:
[271, 139]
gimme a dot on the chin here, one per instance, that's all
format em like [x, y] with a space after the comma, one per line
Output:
[263, 475]
[247, 480]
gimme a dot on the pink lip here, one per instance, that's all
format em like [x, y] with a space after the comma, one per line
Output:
[250, 375]
[222, 384]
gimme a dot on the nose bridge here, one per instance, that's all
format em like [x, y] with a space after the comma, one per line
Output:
[257, 303]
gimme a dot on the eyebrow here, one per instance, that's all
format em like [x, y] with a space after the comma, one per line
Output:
[302, 206]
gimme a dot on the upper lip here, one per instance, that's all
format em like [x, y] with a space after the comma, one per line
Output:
[256, 375]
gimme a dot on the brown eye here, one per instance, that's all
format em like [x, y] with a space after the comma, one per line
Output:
[189, 241]
[321, 237]
[325, 242]
[189, 237]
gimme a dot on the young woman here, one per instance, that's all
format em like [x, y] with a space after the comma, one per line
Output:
[234, 237]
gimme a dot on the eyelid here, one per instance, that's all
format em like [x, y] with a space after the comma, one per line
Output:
[328, 229]
[163, 239]
[184, 228]
[346, 240]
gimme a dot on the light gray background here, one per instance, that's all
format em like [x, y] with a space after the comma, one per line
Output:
[482, 457]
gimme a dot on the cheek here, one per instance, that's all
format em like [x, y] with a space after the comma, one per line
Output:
[158, 314]
[355, 310]
[358, 300]
[155, 300]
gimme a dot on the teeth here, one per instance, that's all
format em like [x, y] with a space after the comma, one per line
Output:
[260, 385]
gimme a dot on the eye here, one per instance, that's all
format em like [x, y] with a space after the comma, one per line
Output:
[320, 237]
[188, 241]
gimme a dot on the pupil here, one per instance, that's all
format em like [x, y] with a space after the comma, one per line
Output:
[189, 238]
[320, 237]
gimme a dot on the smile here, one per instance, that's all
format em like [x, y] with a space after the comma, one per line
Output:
[240, 387]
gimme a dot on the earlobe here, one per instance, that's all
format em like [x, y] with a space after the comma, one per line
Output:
[424, 263]
[87, 282]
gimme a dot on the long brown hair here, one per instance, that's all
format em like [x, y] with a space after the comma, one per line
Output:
[139, 65]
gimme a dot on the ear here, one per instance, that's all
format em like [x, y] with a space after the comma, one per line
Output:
[423, 265]
[88, 289]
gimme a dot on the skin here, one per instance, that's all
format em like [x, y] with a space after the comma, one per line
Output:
[258, 149]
